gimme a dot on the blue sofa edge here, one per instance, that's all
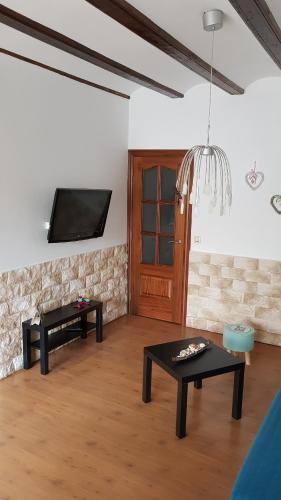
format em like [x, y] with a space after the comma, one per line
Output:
[260, 475]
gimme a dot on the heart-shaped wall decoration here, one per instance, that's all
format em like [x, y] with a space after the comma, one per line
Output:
[276, 203]
[254, 179]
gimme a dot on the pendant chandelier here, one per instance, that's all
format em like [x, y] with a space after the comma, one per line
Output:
[211, 168]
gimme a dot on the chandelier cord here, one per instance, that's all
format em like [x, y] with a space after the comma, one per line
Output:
[210, 90]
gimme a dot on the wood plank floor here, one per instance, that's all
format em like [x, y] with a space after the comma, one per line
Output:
[83, 433]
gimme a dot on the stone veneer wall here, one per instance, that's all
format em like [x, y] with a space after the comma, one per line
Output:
[101, 274]
[225, 289]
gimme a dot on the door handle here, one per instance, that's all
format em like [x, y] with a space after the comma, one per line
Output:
[175, 241]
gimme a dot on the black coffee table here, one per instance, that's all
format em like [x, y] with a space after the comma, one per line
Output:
[213, 361]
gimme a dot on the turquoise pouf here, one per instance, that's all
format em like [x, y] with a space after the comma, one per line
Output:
[239, 338]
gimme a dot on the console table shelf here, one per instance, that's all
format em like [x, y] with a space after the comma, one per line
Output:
[53, 319]
[63, 336]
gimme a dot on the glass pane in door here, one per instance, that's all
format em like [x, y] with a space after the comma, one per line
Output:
[149, 184]
[167, 218]
[148, 249]
[166, 251]
[149, 217]
[168, 184]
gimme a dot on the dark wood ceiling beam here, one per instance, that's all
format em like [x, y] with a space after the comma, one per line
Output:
[258, 17]
[62, 42]
[141, 25]
[63, 73]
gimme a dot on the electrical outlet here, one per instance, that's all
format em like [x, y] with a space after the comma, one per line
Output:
[197, 240]
[46, 225]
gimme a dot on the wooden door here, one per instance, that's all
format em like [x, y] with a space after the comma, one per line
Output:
[159, 237]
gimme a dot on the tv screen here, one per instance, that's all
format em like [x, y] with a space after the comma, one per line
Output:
[78, 214]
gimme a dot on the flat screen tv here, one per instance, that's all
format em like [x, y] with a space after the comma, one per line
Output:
[78, 214]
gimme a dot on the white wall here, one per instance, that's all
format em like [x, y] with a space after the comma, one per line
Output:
[55, 133]
[248, 128]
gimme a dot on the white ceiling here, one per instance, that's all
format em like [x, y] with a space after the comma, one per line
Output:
[237, 53]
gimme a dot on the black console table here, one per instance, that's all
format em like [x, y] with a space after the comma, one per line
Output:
[53, 319]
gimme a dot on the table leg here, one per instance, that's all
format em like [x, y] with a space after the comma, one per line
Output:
[181, 409]
[198, 383]
[26, 338]
[238, 393]
[44, 352]
[147, 371]
[83, 326]
[99, 322]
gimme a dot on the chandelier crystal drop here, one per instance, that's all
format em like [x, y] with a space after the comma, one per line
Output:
[211, 167]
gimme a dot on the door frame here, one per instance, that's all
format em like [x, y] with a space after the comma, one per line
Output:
[132, 153]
